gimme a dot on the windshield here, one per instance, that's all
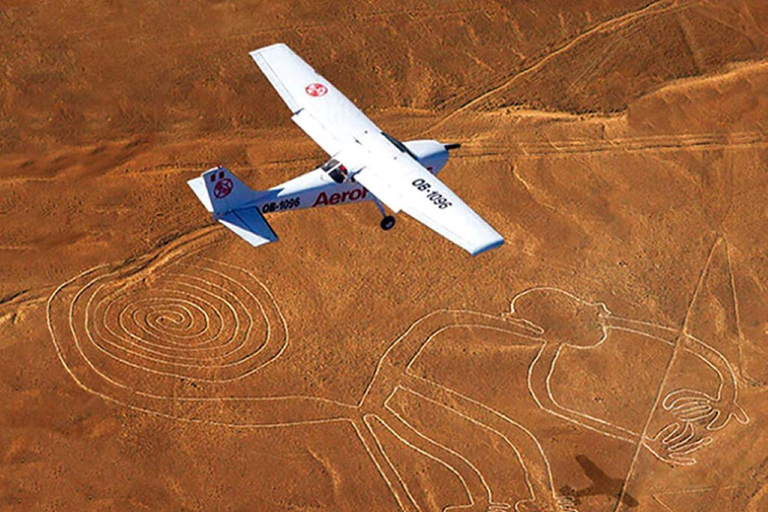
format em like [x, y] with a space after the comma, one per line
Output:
[330, 164]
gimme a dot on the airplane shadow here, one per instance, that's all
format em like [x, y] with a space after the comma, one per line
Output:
[602, 484]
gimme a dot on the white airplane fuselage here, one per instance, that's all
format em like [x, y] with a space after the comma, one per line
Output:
[366, 164]
[317, 188]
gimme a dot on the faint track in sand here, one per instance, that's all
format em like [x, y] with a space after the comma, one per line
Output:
[619, 22]
[90, 37]
[660, 143]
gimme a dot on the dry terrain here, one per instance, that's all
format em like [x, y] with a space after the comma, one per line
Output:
[611, 356]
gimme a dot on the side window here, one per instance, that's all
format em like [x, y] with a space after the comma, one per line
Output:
[335, 170]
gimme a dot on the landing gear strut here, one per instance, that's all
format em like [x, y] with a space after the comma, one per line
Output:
[388, 222]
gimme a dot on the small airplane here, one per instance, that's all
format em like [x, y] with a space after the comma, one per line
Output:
[366, 164]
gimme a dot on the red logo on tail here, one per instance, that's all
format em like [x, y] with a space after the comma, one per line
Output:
[222, 188]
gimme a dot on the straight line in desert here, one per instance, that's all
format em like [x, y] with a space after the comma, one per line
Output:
[613, 23]
[662, 384]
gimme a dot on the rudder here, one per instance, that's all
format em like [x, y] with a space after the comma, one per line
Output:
[226, 192]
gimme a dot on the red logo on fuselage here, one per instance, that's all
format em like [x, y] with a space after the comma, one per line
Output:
[222, 188]
[340, 197]
[316, 90]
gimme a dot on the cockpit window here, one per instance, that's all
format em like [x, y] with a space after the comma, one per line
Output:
[335, 170]
[399, 145]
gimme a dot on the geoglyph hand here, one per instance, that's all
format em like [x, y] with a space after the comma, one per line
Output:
[675, 444]
[689, 405]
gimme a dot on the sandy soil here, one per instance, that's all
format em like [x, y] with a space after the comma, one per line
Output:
[611, 356]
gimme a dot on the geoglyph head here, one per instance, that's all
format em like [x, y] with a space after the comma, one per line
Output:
[560, 317]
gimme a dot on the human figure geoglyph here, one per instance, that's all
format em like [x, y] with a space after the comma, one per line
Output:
[543, 319]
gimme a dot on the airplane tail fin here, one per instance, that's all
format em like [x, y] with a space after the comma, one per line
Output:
[224, 191]
[232, 203]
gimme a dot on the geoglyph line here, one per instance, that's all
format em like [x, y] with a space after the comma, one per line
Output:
[191, 321]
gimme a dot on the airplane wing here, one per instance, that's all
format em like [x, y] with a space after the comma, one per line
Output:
[318, 108]
[425, 198]
[388, 172]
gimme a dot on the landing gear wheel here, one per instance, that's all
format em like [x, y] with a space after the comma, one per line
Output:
[387, 223]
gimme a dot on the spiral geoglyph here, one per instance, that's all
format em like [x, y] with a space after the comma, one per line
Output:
[186, 330]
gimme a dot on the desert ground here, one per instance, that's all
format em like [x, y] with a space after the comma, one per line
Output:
[611, 356]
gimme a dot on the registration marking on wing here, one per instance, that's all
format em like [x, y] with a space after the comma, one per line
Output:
[436, 197]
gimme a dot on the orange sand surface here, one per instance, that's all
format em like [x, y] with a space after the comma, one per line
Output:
[610, 356]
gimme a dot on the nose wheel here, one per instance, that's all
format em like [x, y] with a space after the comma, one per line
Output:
[387, 223]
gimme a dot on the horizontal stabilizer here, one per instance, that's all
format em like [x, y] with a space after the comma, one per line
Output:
[250, 225]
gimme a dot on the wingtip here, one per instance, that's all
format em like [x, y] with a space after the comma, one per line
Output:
[274, 46]
[488, 247]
